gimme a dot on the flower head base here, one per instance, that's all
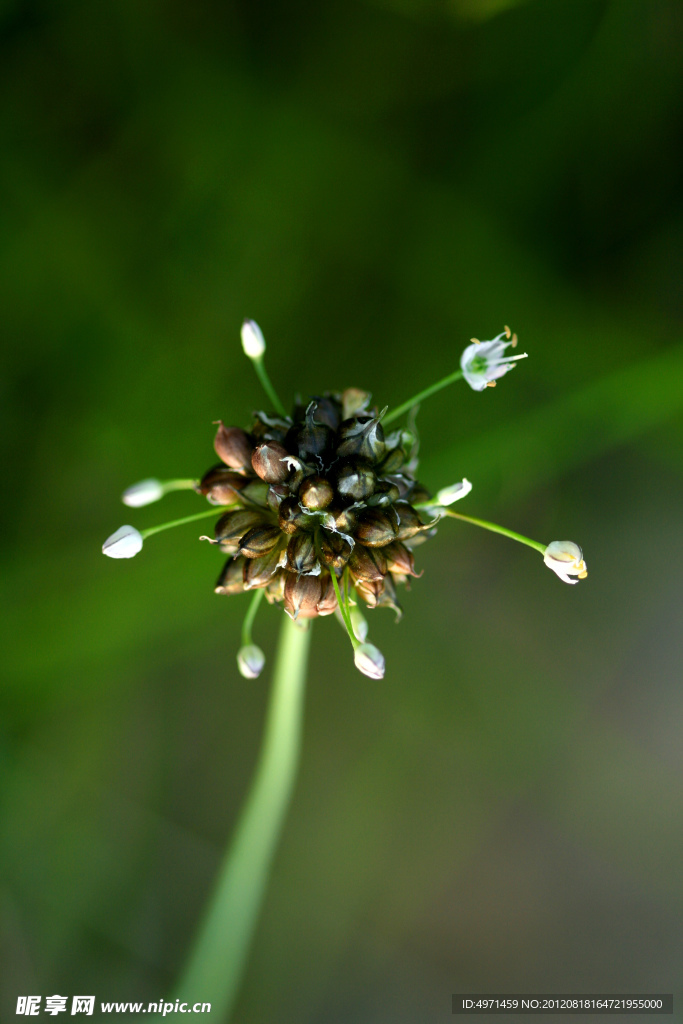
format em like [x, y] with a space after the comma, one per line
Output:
[483, 362]
[566, 560]
[125, 543]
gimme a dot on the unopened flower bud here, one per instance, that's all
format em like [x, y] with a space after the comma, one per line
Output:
[269, 462]
[447, 495]
[316, 493]
[356, 481]
[143, 493]
[125, 543]
[234, 447]
[565, 559]
[253, 342]
[369, 660]
[250, 661]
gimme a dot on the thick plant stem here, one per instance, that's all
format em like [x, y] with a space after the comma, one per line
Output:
[218, 959]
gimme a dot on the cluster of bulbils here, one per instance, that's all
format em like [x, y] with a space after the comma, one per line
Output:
[323, 493]
[322, 508]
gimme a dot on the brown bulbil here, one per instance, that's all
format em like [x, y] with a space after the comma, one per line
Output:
[328, 601]
[399, 559]
[234, 447]
[222, 486]
[258, 571]
[302, 594]
[335, 550]
[316, 493]
[269, 462]
[376, 527]
[291, 517]
[367, 564]
[301, 555]
[409, 522]
[231, 580]
[259, 540]
[361, 438]
[233, 525]
[356, 481]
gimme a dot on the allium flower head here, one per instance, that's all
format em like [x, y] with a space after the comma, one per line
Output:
[314, 494]
[483, 362]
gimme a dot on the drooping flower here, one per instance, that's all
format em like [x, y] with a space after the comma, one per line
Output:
[369, 660]
[565, 558]
[250, 661]
[483, 362]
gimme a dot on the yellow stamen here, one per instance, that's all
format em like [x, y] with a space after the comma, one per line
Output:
[582, 575]
[476, 341]
[514, 341]
[507, 331]
[490, 383]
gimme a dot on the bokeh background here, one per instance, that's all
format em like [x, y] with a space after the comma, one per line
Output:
[374, 182]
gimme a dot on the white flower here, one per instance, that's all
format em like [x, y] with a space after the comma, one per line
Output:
[483, 362]
[369, 660]
[565, 558]
[447, 495]
[250, 661]
[125, 543]
[253, 342]
[143, 493]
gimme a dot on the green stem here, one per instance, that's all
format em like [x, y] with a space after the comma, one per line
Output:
[219, 956]
[178, 485]
[250, 616]
[344, 611]
[260, 368]
[217, 510]
[498, 529]
[407, 406]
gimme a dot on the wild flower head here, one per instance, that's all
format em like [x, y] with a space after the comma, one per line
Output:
[319, 509]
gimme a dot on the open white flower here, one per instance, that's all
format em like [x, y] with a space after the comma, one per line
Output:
[483, 362]
[447, 495]
[565, 558]
[125, 543]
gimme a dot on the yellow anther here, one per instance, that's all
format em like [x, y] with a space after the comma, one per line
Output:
[490, 383]
[507, 331]
[582, 575]
[514, 341]
[476, 341]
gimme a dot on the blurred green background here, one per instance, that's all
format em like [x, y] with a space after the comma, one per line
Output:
[374, 182]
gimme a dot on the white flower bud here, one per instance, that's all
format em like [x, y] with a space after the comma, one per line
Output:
[370, 661]
[143, 493]
[447, 495]
[250, 661]
[565, 557]
[483, 362]
[125, 543]
[253, 342]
